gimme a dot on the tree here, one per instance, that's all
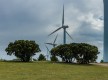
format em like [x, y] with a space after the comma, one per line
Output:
[54, 58]
[63, 51]
[23, 49]
[41, 57]
[83, 53]
[86, 53]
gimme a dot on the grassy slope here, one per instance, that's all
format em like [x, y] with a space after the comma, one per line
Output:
[51, 71]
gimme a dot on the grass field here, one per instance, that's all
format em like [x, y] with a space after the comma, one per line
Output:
[51, 71]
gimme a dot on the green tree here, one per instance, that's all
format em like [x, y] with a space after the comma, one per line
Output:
[83, 53]
[23, 49]
[41, 57]
[54, 58]
[86, 53]
[63, 51]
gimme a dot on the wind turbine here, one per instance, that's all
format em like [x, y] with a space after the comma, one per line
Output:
[48, 51]
[64, 29]
[53, 44]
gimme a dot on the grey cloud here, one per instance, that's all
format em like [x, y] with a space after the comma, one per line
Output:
[35, 19]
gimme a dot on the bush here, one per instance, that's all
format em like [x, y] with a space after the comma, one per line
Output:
[34, 59]
[101, 61]
[41, 58]
[54, 58]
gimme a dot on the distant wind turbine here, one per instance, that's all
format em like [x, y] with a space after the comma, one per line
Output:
[53, 44]
[64, 29]
[48, 51]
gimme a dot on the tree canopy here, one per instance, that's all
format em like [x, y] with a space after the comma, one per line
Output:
[54, 58]
[41, 57]
[23, 49]
[81, 52]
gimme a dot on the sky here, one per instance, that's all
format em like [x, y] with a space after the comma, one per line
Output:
[36, 19]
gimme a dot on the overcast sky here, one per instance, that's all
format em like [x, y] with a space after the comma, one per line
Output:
[35, 19]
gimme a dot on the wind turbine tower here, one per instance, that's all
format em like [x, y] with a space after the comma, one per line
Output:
[105, 31]
[64, 27]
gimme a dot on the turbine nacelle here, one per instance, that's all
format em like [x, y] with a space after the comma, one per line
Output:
[65, 26]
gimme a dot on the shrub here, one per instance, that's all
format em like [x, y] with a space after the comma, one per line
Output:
[41, 57]
[54, 58]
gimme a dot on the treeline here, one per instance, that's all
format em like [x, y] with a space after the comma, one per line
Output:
[75, 52]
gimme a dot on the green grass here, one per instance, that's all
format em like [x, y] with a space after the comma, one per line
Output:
[51, 71]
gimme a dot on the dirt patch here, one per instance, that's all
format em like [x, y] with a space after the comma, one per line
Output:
[101, 64]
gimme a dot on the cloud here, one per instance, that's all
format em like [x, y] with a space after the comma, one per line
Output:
[35, 19]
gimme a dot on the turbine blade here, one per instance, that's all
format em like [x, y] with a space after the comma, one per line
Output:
[54, 45]
[63, 16]
[69, 35]
[49, 43]
[47, 49]
[55, 39]
[55, 31]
